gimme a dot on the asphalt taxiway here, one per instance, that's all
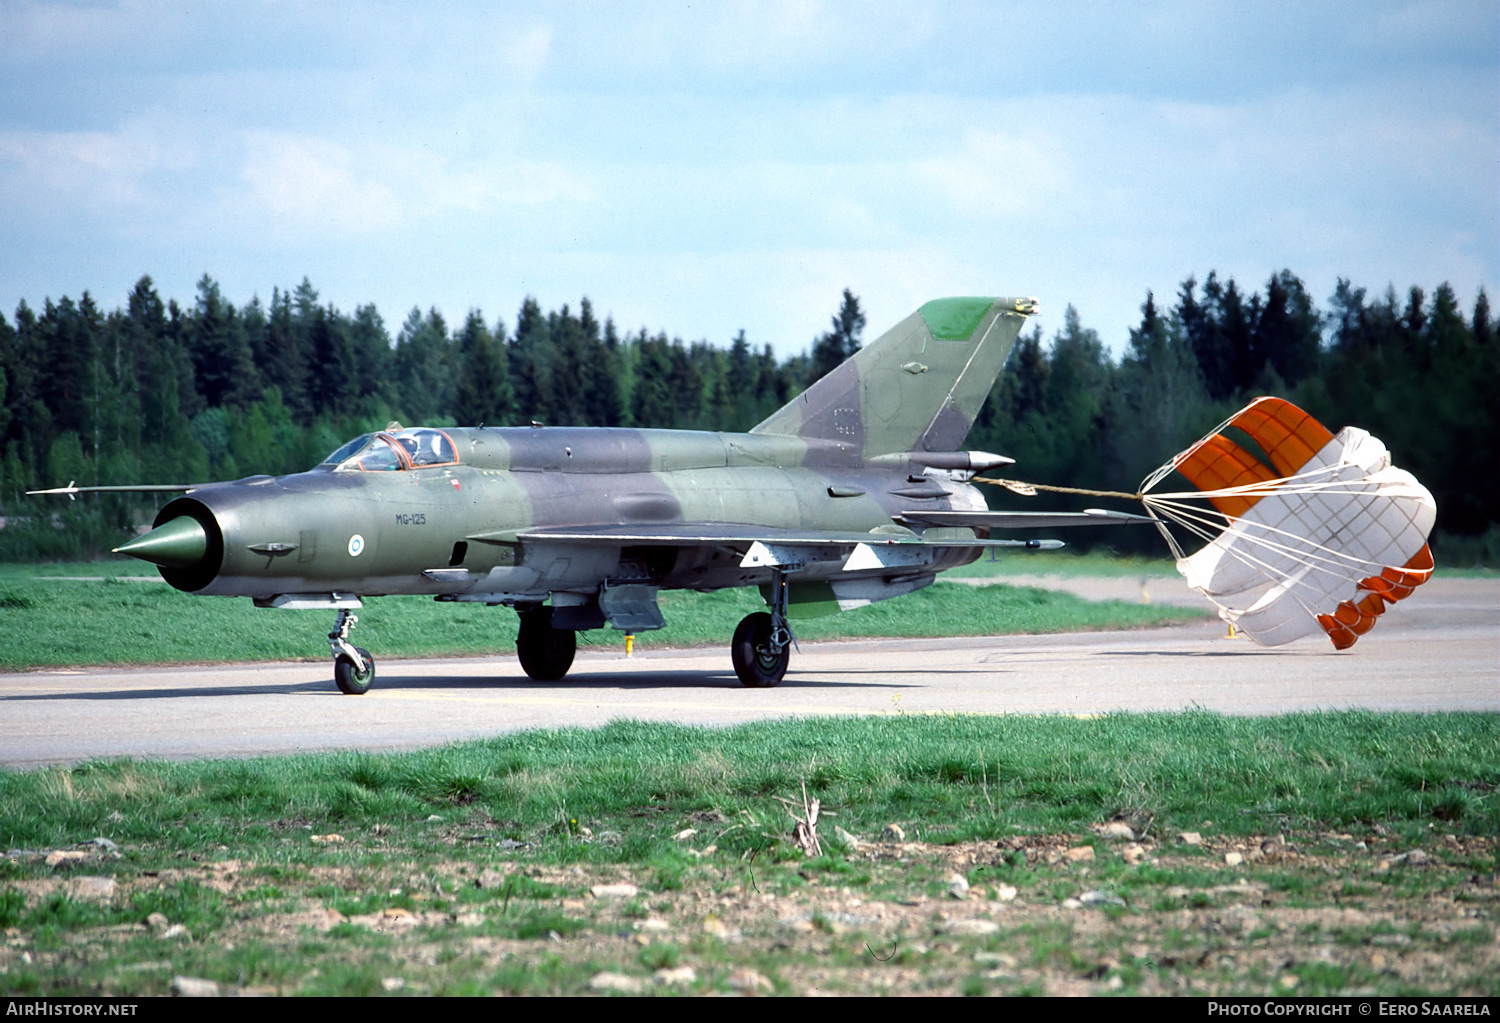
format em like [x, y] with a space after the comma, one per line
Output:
[1439, 651]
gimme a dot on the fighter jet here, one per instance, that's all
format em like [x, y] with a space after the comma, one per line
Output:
[856, 491]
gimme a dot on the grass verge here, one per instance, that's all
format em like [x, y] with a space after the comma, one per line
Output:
[1320, 853]
[115, 619]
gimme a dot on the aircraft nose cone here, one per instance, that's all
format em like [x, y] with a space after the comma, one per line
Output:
[180, 543]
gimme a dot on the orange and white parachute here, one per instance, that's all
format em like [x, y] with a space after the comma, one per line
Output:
[1312, 532]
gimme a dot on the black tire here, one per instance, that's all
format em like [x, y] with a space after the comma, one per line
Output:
[756, 666]
[546, 653]
[347, 676]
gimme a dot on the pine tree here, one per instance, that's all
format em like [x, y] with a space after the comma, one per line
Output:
[224, 371]
[604, 397]
[1077, 392]
[841, 341]
[7, 400]
[652, 402]
[65, 344]
[572, 369]
[530, 358]
[1202, 323]
[1285, 335]
[482, 394]
[370, 346]
[333, 385]
[1158, 404]
[424, 369]
[283, 362]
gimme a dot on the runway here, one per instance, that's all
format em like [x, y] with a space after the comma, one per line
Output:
[1439, 651]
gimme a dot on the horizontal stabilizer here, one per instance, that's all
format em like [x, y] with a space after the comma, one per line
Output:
[1024, 520]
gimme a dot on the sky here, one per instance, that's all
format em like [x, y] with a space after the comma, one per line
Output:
[706, 168]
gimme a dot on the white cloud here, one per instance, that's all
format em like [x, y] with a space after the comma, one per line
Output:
[313, 185]
[525, 51]
[308, 185]
[95, 169]
[999, 173]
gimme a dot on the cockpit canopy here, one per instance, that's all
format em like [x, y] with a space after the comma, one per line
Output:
[394, 451]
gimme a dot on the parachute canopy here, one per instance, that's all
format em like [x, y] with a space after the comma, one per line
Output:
[1306, 530]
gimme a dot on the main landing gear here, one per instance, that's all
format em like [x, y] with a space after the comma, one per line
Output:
[762, 644]
[546, 653]
[353, 667]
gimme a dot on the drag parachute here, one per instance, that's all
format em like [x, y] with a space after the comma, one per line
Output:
[1305, 530]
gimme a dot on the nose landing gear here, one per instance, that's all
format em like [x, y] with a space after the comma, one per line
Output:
[353, 667]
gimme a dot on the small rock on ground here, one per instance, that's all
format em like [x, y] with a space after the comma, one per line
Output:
[91, 887]
[676, 975]
[714, 927]
[1100, 898]
[617, 982]
[194, 987]
[750, 982]
[843, 836]
[615, 891]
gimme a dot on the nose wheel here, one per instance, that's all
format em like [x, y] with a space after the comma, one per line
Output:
[353, 667]
[351, 678]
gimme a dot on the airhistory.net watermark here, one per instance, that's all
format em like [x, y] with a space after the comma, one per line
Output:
[43, 1007]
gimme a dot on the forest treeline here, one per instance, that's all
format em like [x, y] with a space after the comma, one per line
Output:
[157, 392]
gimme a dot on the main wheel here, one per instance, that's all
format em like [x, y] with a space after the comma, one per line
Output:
[347, 676]
[750, 650]
[546, 653]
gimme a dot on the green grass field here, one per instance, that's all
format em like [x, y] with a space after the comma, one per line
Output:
[1313, 854]
[1330, 853]
[50, 618]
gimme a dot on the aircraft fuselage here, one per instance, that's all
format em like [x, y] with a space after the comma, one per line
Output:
[451, 530]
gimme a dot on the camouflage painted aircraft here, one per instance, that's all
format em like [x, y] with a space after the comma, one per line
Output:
[855, 491]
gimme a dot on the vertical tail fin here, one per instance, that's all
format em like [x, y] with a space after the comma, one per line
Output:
[918, 387]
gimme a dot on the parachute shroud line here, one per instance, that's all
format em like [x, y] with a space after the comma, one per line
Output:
[1323, 537]
[1313, 531]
